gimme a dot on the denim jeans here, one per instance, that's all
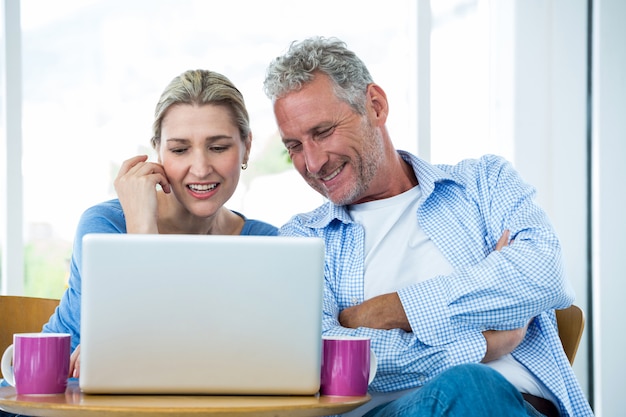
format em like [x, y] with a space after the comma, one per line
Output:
[463, 391]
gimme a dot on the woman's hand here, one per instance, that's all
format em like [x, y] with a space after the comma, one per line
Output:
[75, 363]
[136, 189]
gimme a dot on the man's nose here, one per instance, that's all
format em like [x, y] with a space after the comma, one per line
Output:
[314, 158]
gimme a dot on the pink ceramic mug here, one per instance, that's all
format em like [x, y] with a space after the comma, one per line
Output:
[348, 365]
[41, 363]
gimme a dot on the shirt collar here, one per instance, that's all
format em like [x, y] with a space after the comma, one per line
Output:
[427, 175]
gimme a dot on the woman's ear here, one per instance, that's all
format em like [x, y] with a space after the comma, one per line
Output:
[248, 146]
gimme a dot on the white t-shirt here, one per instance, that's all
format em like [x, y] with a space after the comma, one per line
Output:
[390, 266]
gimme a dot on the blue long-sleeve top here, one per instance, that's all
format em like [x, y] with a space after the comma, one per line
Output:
[107, 217]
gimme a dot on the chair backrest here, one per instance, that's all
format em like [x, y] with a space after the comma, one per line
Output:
[571, 323]
[23, 315]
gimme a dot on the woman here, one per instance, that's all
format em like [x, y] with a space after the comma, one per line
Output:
[202, 138]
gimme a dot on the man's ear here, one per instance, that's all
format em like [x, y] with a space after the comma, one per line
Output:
[377, 101]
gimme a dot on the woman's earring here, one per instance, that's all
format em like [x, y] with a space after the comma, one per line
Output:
[244, 166]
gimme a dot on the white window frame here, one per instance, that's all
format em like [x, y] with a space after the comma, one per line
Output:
[11, 152]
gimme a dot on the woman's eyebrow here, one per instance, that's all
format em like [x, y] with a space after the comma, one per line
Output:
[208, 138]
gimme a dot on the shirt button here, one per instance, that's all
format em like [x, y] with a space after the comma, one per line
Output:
[355, 301]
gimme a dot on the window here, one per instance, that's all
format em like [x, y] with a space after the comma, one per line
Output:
[466, 103]
[505, 77]
[93, 71]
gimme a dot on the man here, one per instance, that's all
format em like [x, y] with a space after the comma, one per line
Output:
[419, 257]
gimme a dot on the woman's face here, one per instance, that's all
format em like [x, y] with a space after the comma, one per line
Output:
[202, 151]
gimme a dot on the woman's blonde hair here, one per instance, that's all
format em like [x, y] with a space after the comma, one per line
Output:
[200, 87]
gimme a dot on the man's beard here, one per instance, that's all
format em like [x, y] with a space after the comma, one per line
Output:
[365, 165]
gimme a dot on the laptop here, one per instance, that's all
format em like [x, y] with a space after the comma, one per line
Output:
[191, 314]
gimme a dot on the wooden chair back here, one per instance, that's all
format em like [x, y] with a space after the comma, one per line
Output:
[29, 314]
[23, 315]
[571, 323]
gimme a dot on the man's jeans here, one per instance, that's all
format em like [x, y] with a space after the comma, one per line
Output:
[463, 391]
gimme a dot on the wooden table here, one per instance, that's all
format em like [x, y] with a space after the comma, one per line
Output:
[74, 403]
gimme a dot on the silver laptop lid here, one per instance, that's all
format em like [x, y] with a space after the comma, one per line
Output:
[201, 314]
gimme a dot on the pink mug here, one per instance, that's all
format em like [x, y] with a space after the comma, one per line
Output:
[348, 365]
[41, 363]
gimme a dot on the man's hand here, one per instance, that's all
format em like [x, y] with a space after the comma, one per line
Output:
[383, 312]
[502, 342]
[504, 240]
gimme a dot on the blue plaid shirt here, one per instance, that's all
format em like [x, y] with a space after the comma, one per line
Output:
[464, 210]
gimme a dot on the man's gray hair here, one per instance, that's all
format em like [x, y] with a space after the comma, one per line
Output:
[330, 56]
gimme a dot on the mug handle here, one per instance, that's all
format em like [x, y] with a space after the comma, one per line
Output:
[7, 369]
[373, 366]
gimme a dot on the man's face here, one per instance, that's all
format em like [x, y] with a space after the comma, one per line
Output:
[336, 150]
